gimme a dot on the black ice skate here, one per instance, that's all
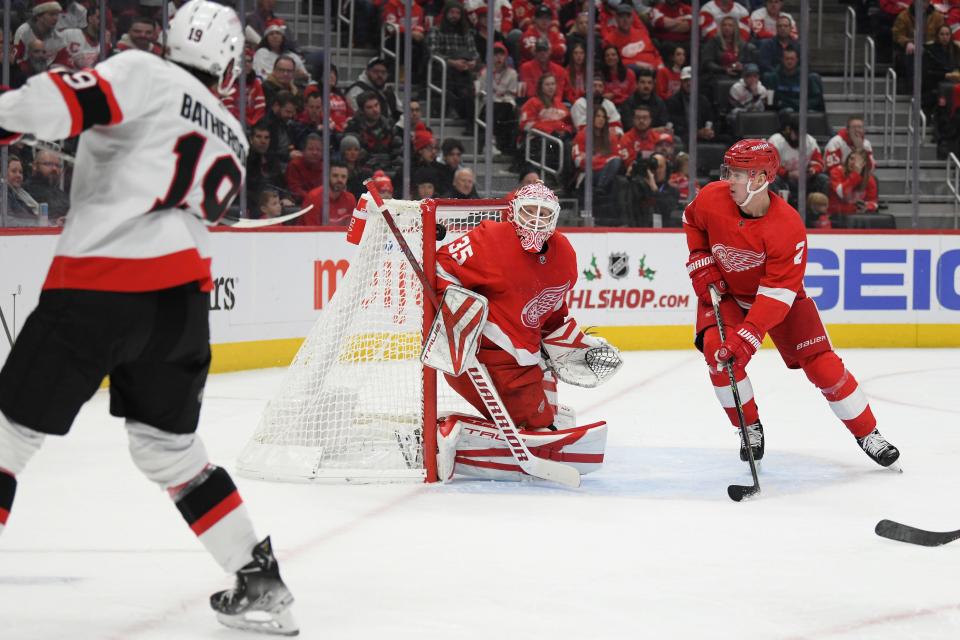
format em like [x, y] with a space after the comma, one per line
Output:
[879, 450]
[259, 601]
[755, 436]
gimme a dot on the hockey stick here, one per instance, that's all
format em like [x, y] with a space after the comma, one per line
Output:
[905, 533]
[6, 329]
[480, 378]
[248, 223]
[737, 492]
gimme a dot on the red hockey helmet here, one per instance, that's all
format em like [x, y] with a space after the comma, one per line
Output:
[752, 155]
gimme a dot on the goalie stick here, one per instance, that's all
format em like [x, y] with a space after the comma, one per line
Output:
[480, 377]
[905, 533]
[737, 492]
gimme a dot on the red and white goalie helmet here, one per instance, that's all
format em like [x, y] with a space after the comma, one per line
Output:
[534, 212]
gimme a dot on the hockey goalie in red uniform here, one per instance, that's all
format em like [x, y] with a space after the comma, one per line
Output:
[751, 246]
[524, 267]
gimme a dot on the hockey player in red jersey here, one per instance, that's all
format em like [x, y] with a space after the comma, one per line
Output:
[127, 294]
[751, 246]
[524, 267]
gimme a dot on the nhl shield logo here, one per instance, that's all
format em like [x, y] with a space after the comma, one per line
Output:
[619, 265]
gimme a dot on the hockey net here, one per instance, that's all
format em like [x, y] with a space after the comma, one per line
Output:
[356, 405]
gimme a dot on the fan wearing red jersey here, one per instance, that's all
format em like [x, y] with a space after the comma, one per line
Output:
[751, 246]
[524, 267]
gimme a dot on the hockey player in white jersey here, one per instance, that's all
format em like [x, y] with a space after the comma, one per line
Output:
[159, 159]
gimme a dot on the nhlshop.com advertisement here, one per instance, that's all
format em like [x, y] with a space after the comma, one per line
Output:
[900, 289]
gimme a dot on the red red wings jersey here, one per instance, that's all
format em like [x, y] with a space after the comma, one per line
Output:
[527, 291]
[762, 259]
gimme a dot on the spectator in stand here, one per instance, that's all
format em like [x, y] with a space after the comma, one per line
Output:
[607, 163]
[40, 27]
[853, 189]
[770, 51]
[787, 143]
[453, 41]
[383, 183]
[256, 100]
[17, 74]
[666, 146]
[577, 35]
[22, 209]
[523, 11]
[393, 16]
[305, 172]
[578, 112]
[417, 122]
[74, 16]
[785, 83]
[725, 55]
[644, 96]
[268, 205]
[82, 46]
[678, 106]
[619, 81]
[576, 74]
[311, 120]
[668, 77]
[281, 79]
[671, 21]
[425, 148]
[44, 184]
[881, 25]
[763, 21]
[464, 187]
[545, 111]
[376, 135]
[505, 86]
[655, 194]
[374, 79]
[748, 94]
[273, 45]
[279, 119]
[36, 61]
[262, 15]
[941, 63]
[716, 10]
[632, 42]
[903, 30]
[452, 152]
[141, 35]
[680, 176]
[424, 183]
[640, 140]
[532, 71]
[353, 155]
[264, 170]
[342, 202]
[818, 211]
[850, 138]
[544, 26]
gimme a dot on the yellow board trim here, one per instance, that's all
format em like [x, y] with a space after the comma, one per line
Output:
[258, 354]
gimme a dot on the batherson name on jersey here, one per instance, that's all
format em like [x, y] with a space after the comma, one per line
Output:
[195, 111]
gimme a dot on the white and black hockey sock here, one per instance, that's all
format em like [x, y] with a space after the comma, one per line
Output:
[213, 508]
[8, 488]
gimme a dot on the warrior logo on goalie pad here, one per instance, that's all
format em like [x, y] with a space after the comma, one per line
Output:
[542, 304]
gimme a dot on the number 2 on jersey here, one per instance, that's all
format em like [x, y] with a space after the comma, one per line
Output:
[188, 150]
[460, 249]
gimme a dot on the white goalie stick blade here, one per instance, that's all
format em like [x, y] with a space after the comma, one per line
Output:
[454, 337]
[532, 465]
[247, 223]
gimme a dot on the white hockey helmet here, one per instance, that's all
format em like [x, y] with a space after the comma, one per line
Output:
[207, 36]
[534, 212]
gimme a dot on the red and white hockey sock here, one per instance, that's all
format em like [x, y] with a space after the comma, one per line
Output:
[211, 505]
[843, 393]
[721, 387]
[8, 488]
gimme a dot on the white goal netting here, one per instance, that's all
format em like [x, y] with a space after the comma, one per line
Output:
[353, 405]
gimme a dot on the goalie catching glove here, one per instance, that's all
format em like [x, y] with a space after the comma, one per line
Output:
[580, 359]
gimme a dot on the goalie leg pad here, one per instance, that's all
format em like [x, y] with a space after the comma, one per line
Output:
[474, 447]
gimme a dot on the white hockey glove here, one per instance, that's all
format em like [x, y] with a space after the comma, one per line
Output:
[580, 359]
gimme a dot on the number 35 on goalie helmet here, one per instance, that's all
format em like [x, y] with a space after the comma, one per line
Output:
[206, 36]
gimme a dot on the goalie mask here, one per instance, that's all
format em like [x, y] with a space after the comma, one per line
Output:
[206, 36]
[534, 212]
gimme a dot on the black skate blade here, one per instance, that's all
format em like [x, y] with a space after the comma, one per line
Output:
[738, 492]
[911, 535]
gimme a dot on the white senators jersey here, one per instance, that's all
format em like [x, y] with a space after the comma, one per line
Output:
[159, 159]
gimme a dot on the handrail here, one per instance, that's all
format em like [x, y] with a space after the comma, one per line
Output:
[542, 165]
[819, 23]
[889, 112]
[908, 173]
[477, 124]
[349, 20]
[441, 89]
[953, 184]
[869, 78]
[386, 53]
[849, 50]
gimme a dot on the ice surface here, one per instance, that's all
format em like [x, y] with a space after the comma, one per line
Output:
[649, 547]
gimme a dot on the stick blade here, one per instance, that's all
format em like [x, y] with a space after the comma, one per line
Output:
[911, 535]
[738, 492]
[555, 472]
